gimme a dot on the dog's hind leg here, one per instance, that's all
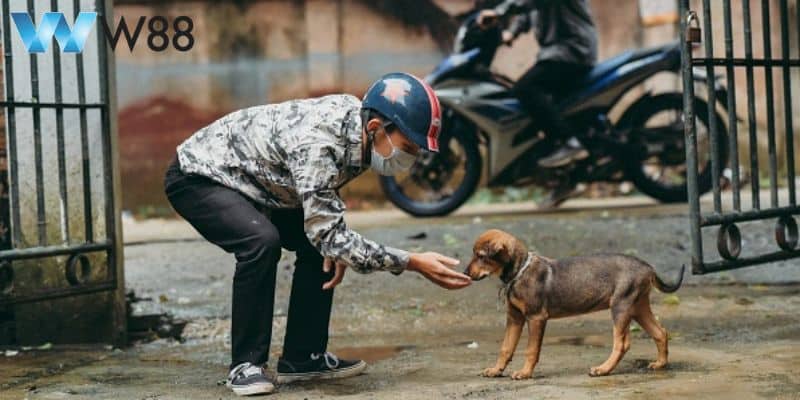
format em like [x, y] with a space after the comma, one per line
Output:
[622, 319]
[644, 316]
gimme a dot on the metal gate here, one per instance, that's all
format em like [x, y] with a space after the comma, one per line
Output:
[729, 42]
[63, 253]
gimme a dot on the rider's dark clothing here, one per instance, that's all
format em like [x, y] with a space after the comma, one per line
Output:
[538, 88]
[568, 49]
[564, 28]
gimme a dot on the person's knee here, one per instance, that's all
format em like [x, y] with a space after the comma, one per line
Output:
[259, 244]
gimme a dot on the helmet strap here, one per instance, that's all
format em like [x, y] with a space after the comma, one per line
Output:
[366, 157]
[366, 151]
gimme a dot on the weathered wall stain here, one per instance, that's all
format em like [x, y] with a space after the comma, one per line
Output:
[153, 127]
[256, 51]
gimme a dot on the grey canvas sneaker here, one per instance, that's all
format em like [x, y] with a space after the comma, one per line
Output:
[318, 366]
[572, 151]
[247, 379]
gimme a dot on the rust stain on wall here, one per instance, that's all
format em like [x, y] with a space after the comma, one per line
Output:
[149, 131]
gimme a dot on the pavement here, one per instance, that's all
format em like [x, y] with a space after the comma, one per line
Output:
[734, 334]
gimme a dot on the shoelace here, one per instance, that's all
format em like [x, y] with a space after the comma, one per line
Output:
[244, 370]
[330, 359]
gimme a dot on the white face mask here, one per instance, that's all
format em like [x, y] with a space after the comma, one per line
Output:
[397, 161]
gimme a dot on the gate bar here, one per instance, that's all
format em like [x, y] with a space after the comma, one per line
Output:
[751, 215]
[712, 108]
[689, 130]
[60, 293]
[41, 224]
[766, 33]
[38, 105]
[733, 123]
[105, 138]
[88, 220]
[62, 162]
[746, 262]
[11, 126]
[787, 97]
[745, 62]
[34, 252]
[751, 107]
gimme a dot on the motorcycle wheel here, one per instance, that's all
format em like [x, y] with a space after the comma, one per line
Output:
[438, 183]
[660, 119]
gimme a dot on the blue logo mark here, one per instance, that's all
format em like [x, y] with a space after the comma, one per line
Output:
[54, 25]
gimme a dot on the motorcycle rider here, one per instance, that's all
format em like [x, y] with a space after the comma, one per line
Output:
[267, 177]
[567, 52]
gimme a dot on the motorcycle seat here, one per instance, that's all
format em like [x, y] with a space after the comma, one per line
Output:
[604, 68]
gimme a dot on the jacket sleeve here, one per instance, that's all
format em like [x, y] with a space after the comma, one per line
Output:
[519, 24]
[518, 12]
[314, 170]
[511, 7]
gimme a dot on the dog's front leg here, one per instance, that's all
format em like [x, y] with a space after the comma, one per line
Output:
[514, 323]
[535, 334]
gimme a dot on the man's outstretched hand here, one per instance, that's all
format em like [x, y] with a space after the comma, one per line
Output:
[436, 268]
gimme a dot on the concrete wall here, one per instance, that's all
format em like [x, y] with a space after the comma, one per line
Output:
[257, 51]
[249, 53]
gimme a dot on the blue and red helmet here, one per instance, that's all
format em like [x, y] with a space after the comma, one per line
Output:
[409, 103]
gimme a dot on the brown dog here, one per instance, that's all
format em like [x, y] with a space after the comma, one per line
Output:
[540, 288]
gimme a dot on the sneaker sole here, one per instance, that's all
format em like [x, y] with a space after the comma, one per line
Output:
[338, 374]
[255, 389]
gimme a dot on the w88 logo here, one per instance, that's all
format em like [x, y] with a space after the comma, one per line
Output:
[158, 38]
[72, 40]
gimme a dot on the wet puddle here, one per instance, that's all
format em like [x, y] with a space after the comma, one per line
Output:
[371, 354]
[589, 340]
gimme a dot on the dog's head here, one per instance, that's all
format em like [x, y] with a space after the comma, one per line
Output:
[496, 253]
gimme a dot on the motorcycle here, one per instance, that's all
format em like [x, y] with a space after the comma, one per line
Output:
[485, 130]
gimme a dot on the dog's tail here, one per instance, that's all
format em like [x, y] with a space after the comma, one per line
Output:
[665, 288]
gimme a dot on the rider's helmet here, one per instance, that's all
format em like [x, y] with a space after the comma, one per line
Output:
[410, 104]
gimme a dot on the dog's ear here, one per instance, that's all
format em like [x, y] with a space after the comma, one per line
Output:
[517, 251]
[508, 250]
[510, 253]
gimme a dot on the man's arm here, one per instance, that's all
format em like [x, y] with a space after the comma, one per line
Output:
[314, 169]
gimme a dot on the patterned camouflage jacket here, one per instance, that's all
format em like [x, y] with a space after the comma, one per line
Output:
[295, 154]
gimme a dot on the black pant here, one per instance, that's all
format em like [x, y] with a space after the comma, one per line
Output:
[541, 85]
[228, 219]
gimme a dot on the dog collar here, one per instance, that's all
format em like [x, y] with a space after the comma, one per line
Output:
[525, 266]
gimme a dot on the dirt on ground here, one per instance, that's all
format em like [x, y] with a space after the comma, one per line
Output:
[732, 335]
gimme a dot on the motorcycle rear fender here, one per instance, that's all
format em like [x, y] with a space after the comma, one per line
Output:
[604, 93]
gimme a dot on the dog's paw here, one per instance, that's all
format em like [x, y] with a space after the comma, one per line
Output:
[598, 371]
[655, 365]
[520, 375]
[492, 372]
